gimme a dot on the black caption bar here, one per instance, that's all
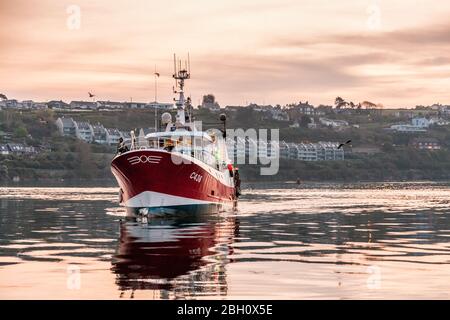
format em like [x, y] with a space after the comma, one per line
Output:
[217, 309]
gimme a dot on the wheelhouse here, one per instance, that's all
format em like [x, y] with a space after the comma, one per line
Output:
[203, 146]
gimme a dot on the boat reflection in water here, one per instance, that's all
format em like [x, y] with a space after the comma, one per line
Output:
[175, 256]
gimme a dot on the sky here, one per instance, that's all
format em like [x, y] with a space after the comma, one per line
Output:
[392, 52]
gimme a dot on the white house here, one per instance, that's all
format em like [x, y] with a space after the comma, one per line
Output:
[421, 122]
[11, 103]
[4, 149]
[307, 152]
[111, 105]
[333, 123]
[160, 105]
[321, 151]
[84, 131]
[329, 151]
[27, 104]
[85, 105]
[112, 136]
[418, 124]
[30, 104]
[407, 128]
[279, 114]
[99, 134]
[66, 126]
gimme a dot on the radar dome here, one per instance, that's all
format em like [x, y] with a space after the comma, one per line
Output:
[166, 118]
[223, 117]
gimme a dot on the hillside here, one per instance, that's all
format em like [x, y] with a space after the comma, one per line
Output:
[60, 157]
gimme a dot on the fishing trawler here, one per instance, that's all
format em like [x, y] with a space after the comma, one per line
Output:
[179, 167]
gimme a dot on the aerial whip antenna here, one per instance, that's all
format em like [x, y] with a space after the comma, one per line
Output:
[189, 64]
[180, 76]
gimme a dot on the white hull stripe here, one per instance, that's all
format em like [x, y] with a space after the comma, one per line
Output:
[150, 199]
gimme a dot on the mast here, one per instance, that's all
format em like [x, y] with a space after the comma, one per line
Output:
[180, 74]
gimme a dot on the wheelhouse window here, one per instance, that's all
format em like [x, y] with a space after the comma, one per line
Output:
[198, 146]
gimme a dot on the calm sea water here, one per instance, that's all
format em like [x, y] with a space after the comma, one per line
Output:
[365, 241]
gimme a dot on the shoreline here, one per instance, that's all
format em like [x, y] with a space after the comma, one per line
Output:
[107, 183]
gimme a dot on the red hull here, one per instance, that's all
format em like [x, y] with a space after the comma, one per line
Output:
[155, 178]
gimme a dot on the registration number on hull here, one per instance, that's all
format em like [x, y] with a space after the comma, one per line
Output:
[196, 177]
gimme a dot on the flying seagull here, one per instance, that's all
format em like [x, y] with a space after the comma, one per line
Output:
[343, 144]
[3, 97]
[91, 95]
[157, 74]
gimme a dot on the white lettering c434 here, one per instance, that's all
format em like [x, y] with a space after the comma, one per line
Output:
[196, 177]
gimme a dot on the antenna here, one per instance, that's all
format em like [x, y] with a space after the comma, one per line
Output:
[174, 64]
[189, 64]
[180, 75]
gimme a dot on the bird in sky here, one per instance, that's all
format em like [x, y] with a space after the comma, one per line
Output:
[91, 95]
[157, 74]
[343, 144]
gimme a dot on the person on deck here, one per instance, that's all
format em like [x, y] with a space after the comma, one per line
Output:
[169, 145]
[121, 146]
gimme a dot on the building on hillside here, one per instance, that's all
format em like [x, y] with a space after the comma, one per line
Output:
[260, 108]
[135, 105]
[99, 134]
[27, 104]
[323, 110]
[328, 151]
[312, 124]
[233, 108]
[321, 151]
[66, 126]
[18, 148]
[305, 108]
[112, 136]
[11, 104]
[426, 144]
[407, 128]
[84, 131]
[279, 114]
[160, 106]
[418, 124]
[333, 123]
[283, 150]
[297, 110]
[30, 104]
[4, 150]
[421, 122]
[83, 105]
[111, 105]
[40, 105]
[307, 152]
[293, 151]
[57, 105]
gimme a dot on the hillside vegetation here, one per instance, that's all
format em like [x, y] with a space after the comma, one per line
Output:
[69, 158]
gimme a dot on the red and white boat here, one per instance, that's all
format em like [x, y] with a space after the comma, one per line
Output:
[178, 169]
